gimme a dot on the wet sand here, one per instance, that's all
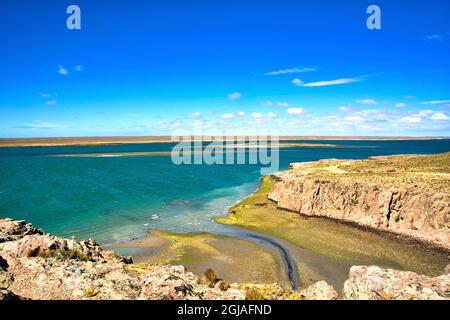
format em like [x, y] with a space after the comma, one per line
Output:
[234, 260]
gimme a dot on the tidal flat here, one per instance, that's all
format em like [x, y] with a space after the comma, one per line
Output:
[320, 248]
[308, 239]
[234, 260]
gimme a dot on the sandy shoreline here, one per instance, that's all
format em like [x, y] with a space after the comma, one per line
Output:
[86, 141]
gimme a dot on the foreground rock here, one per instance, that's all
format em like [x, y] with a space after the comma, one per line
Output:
[34, 265]
[404, 194]
[38, 266]
[374, 283]
[319, 291]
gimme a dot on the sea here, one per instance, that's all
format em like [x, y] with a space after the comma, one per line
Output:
[118, 198]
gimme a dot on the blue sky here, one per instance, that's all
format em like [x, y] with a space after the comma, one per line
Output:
[150, 67]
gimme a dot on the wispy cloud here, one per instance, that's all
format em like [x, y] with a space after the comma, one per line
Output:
[300, 83]
[367, 102]
[433, 37]
[38, 124]
[283, 104]
[289, 71]
[400, 105]
[344, 109]
[79, 68]
[234, 95]
[194, 115]
[49, 97]
[62, 71]
[435, 102]
[437, 36]
[266, 103]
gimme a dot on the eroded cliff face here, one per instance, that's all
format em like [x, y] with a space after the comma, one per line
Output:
[405, 209]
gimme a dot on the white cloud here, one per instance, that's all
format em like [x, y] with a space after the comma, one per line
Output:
[46, 95]
[256, 115]
[51, 102]
[296, 111]
[297, 82]
[400, 105]
[63, 71]
[436, 102]
[289, 71]
[267, 103]
[233, 115]
[300, 83]
[78, 68]
[344, 109]
[353, 118]
[227, 116]
[283, 104]
[271, 115]
[367, 102]
[234, 96]
[411, 119]
[423, 113]
[440, 116]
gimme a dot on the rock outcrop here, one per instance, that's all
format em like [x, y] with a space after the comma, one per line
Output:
[319, 291]
[374, 283]
[381, 200]
[34, 265]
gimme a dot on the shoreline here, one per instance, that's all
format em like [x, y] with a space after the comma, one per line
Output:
[118, 140]
[234, 259]
[388, 248]
[310, 265]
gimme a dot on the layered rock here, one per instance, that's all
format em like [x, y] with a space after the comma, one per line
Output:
[379, 200]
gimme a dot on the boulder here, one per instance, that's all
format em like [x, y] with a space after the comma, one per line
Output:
[319, 291]
[375, 283]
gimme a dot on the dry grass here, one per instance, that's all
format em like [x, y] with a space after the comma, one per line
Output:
[423, 172]
[253, 294]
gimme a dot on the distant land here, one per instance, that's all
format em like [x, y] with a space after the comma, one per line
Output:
[72, 141]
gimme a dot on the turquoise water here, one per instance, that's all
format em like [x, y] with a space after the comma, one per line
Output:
[118, 198]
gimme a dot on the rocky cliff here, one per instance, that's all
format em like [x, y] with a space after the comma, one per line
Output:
[34, 265]
[404, 194]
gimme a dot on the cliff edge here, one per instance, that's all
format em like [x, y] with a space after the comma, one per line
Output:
[405, 194]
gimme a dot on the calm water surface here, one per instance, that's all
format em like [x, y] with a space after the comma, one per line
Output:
[117, 198]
